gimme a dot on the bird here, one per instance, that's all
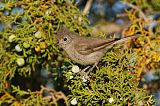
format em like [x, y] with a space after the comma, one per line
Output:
[86, 50]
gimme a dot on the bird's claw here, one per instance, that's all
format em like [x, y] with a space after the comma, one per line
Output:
[84, 74]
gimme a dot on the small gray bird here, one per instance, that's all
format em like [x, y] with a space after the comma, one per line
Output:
[86, 50]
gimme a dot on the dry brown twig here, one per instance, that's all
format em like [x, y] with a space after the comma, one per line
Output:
[143, 16]
[87, 7]
[139, 10]
[54, 95]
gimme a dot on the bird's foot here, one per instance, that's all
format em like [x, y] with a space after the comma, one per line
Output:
[84, 74]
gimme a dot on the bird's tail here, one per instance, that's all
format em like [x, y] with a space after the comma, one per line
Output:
[120, 40]
[125, 39]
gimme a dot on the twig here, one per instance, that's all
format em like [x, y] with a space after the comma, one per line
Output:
[87, 7]
[139, 10]
[146, 19]
[54, 95]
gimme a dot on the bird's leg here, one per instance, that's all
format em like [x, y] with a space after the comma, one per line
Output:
[84, 74]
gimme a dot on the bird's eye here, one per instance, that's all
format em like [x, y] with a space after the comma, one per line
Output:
[65, 39]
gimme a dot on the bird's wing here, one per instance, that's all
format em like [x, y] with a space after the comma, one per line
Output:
[87, 46]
